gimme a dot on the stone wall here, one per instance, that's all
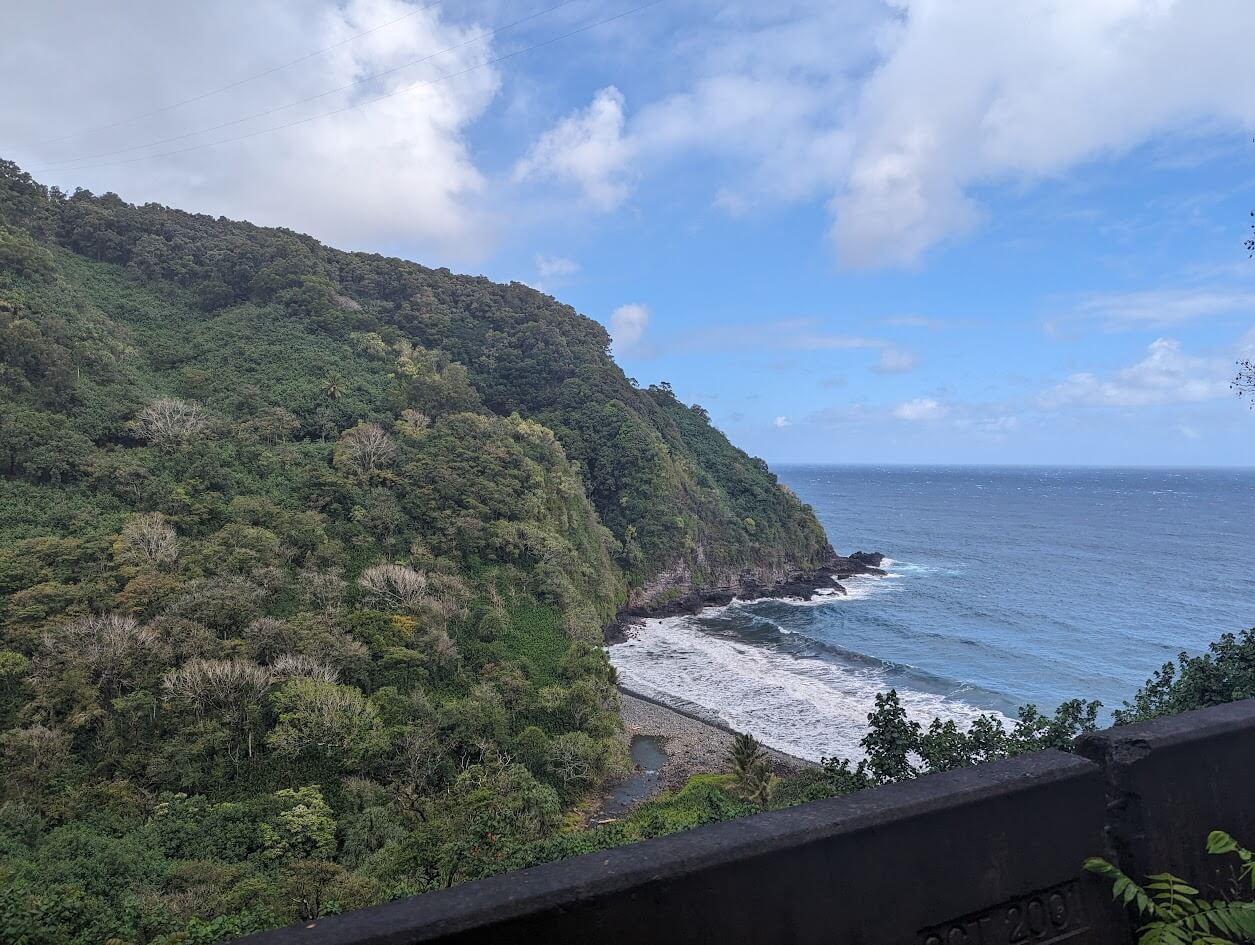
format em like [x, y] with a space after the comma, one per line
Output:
[989, 855]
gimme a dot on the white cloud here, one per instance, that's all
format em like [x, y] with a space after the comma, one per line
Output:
[556, 267]
[781, 422]
[913, 321]
[627, 327]
[395, 169]
[1024, 91]
[895, 361]
[899, 117]
[586, 148]
[1167, 375]
[1164, 306]
[922, 408]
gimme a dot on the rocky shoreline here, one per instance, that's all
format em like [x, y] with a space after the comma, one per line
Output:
[798, 585]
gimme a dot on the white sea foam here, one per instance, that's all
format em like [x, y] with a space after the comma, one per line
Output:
[809, 707]
[857, 587]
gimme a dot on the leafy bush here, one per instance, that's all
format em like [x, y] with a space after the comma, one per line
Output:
[1175, 912]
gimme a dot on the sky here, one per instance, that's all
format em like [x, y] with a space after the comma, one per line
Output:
[875, 231]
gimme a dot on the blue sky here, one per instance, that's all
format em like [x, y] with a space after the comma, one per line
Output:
[911, 232]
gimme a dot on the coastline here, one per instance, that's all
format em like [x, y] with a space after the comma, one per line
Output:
[796, 585]
[691, 743]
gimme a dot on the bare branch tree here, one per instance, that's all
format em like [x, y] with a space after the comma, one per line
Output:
[323, 589]
[1244, 381]
[110, 647]
[223, 685]
[227, 689]
[366, 447]
[395, 585]
[292, 665]
[149, 540]
[170, 422]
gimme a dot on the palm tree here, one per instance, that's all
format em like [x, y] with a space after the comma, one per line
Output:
[333, 386]
[752, 769]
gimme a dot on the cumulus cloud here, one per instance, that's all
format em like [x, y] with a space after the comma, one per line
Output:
[588, 149]
[922, 408]
[627, 328]
[1030, 90]
[393, 169]
[1167, 375]
[899, 120]
[781, 422]
[895, 361]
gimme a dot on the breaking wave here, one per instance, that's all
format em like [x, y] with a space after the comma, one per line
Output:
[811, 704]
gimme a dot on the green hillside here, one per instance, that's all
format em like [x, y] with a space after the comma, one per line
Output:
[304, 561]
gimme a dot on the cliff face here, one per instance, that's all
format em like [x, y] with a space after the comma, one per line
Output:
[681, 589]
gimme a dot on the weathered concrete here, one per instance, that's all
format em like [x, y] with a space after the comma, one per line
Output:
[981, 856]
[1170, 782]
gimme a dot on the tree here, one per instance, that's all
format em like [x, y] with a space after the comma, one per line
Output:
[891, 740]
[323, 589]
[1244, 380]
[413, 423]
[365, 448]
[302, 665]
[170, 422]
[1225, 673]
[228, 690]
[395, 585]
[148, 540]
[577, 761]
[41, 446]
[751, 767]
[33, 758]
[303, 828]
[327, 721]
[112, 649]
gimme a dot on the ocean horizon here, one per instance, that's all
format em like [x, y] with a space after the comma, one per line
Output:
[1005, 586]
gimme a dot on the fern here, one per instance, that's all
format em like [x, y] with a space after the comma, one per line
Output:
[1175, 912]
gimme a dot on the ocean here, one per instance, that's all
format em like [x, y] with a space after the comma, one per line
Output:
[1005, 586]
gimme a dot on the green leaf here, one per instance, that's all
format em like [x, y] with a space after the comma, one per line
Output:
[1220, 842]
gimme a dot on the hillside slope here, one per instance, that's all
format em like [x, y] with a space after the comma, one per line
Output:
[304, 561]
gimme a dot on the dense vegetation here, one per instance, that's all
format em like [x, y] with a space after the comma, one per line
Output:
[304, 560]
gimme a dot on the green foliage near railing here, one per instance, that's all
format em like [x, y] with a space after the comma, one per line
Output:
[1175, 912]
[1225, 673]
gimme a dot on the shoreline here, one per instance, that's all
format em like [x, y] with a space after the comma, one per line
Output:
[798, 585]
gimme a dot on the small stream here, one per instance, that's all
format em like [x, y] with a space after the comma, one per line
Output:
[648, 756]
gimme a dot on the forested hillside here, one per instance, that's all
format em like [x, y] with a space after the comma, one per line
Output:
[304, 560]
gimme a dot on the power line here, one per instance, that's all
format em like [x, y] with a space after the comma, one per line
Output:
[379, 98]
[312, 98]
[236, 84]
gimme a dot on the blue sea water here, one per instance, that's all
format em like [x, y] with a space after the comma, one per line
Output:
[1006, 586]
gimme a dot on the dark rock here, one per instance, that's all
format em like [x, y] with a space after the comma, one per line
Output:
[872, 558]
[682, 598]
